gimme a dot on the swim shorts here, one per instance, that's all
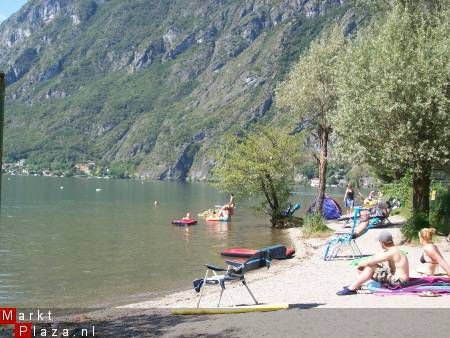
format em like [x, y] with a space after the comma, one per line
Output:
[384, 275]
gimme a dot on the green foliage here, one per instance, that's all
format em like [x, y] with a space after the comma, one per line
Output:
[309, 169]
[92, 101]
[309, 92]
[122, 169]
[260, 166]
[393, 102]
[413, 225]
[400, 190]
[440, 208]
[393, 95]
[315, 226]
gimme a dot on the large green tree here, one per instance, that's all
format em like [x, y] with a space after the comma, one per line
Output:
[309, 95]
[393, 89]
[260, 165]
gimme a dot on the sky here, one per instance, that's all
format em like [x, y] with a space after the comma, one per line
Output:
[8, 7]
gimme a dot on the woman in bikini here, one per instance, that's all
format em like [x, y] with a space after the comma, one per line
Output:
[431, 257]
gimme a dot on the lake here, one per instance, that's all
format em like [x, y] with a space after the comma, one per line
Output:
[78, 242]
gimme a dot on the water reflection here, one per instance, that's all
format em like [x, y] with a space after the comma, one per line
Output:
[218, 230]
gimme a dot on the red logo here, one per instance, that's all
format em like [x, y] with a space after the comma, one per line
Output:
[8, 317]
[22, 330]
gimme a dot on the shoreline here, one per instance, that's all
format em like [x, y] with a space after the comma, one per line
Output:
[307, 278]
[305, 282]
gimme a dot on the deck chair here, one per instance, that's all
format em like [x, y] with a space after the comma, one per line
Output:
[235, 272]
[344, 239]
[376, 218]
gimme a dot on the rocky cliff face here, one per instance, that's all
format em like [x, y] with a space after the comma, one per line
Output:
[154, 82]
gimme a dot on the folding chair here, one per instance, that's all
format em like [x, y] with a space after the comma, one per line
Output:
[235, 272]
[344, 239]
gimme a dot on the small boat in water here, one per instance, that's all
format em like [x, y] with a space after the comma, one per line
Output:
[184, 221]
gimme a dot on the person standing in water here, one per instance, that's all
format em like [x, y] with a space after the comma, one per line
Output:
[227, 210]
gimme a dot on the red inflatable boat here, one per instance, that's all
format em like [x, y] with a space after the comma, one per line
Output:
[276, 252]
[184, 222]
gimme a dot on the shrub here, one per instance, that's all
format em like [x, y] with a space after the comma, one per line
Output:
[401, 190]
[440, 209]
[315, 226]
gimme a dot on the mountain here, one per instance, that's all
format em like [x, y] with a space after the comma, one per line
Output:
[154, 83]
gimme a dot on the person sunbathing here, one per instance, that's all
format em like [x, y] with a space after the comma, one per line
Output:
[394, 273]
[380, 211]
[363, 224]
[431, 257]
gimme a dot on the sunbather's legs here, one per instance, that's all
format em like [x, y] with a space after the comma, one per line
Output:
[364, 276]
[360, 228]
[427, 269]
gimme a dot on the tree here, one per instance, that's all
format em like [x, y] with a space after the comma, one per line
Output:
[259, 165]
[394, 94]
[309, 95]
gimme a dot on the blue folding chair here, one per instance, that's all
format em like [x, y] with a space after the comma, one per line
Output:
[343, 239]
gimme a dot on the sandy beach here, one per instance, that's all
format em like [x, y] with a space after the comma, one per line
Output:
[306, 282]
[308, 279]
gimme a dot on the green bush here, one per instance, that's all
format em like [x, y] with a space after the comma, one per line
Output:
[412, 226]
[440, 209]
[401, 190]
[315, 226]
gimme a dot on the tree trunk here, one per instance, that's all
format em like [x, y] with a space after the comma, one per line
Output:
[275, 214]
[421, 193]
[323, 163]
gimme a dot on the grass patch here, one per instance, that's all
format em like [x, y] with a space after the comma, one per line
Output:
[315, 227]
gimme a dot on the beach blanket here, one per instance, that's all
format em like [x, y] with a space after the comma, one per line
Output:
[438, 285]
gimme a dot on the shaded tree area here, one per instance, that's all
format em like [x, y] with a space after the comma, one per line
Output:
[309, 96]
[393, 89]
[260, 166]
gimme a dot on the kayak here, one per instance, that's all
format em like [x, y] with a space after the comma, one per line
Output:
[276, 251]
[184, 222]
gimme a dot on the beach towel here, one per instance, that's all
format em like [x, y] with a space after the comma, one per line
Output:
[439, 285]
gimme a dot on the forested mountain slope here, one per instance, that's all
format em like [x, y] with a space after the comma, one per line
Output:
[156, 83]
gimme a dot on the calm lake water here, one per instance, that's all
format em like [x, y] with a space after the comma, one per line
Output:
[78, 247]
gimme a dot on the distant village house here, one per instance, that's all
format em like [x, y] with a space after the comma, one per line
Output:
[85, 167]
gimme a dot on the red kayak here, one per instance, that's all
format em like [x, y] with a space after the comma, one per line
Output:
[277, 252]
[184, 222]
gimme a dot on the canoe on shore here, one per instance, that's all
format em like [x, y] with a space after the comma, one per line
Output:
[275, 251]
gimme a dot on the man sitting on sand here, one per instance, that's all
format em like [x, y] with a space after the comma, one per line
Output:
[394, 272]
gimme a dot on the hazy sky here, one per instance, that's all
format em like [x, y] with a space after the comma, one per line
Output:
[8, 7]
